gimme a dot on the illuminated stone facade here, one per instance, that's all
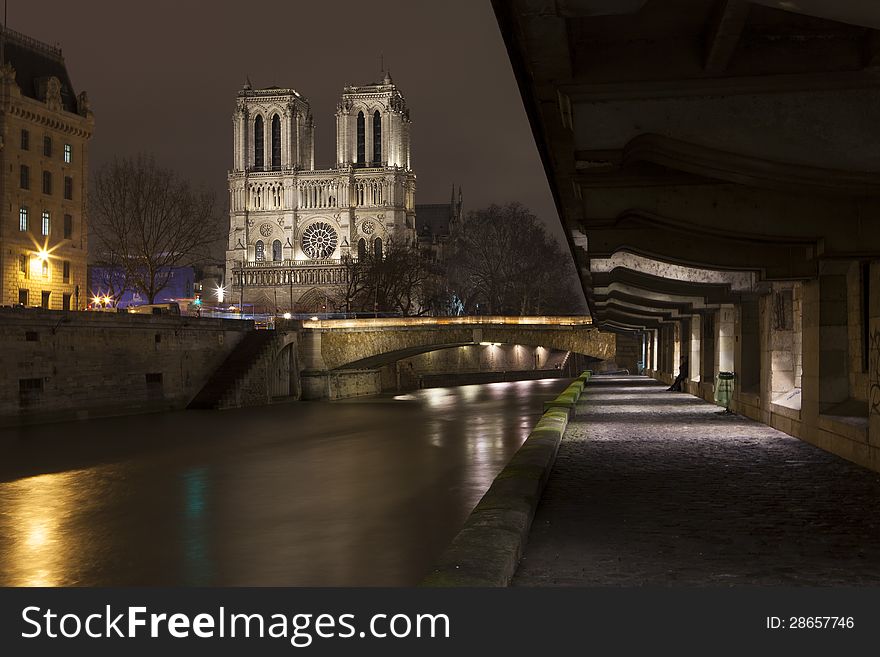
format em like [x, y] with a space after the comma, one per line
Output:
[45, 132]
[291, 226]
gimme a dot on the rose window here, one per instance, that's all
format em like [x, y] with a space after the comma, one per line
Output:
[367, 227]
[319, 241]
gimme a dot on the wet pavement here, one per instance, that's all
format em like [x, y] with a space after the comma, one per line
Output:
[350, 493]
[656, 488]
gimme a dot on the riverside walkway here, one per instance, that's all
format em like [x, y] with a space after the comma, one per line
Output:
[655, 488]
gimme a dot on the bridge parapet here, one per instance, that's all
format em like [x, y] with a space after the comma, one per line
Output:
[370, 343]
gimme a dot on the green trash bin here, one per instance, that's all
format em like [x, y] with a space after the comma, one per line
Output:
[724, 389]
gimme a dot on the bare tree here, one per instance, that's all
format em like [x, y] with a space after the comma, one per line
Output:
[503, 262]
[146, 220]
[394, 280]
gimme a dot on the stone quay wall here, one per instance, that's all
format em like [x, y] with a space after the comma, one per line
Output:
[74, 365]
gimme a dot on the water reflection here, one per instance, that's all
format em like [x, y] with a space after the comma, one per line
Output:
[360, 492]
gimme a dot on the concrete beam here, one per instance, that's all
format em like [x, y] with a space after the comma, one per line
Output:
[723, 32]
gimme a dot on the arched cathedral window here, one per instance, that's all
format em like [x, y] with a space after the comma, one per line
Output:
[377, 138]
[276, 250]
[259, 254]
[361, 140]
[276, 143]
[258, 143]
[377, 248]
[362, 248]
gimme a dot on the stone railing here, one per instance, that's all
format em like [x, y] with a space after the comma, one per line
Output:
[289, 273]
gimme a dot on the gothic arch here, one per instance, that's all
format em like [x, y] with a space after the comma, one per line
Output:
[377, 138]
[361, 157]
[311, 301]
[259, 142]
[276, 142]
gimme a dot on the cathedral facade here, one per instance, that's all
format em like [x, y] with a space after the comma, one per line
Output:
[292, 227]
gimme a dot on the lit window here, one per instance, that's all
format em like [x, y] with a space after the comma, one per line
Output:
[45, 227]
[23, 262]
[68, 153]
[45, 269]
[22, 219]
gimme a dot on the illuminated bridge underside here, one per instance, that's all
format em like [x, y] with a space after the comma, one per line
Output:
[369, 344]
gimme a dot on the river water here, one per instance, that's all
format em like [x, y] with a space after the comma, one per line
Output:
[363, 492]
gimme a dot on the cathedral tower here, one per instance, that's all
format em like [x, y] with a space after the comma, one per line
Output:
[372, 127]
[292, 228]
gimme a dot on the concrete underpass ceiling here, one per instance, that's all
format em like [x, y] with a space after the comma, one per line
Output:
[697, 148]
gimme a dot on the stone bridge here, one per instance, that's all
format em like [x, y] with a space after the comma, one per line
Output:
[340, 358]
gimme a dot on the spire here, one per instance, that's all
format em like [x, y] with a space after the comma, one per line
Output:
[247, 83]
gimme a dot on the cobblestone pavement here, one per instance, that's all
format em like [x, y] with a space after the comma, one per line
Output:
[655, 488]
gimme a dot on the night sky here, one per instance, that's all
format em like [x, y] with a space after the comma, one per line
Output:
[162, 78]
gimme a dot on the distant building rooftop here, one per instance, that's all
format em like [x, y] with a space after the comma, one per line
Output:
[34, 63]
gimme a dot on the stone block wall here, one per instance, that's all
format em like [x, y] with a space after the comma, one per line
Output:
[67, 365]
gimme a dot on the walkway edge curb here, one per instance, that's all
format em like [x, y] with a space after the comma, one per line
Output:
[486, 552]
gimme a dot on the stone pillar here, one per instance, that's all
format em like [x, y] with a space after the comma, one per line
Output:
[833, 335]
[696, 327]
[747, 353]
[726, 336]
[874, 355]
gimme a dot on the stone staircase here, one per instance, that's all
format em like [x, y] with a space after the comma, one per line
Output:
[235, 383]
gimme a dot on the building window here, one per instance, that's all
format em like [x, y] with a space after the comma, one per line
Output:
[30, 391]
[361, 140]
[362, 248]
[68, 188]
[45, 272]
[65, 302]
[22, 219]
[25, 174]
[276, 250]
[47, 146]
[377, 248]
[23, 263]
[68, 226]
[259, 255]
[377, 138]
[258, 143]
[45, 226]
[25, 140]
[276, 143]
[66, 271]
[68, 153]
[22, 297]
[47, 182]
[44, 301]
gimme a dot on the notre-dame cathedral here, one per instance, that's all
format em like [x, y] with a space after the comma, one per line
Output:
[291, 226]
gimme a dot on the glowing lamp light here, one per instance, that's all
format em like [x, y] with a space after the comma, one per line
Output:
[286, 315]
[221, 293]
[314, 319]
[96, 300]
[42, 255]
[106, 300]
